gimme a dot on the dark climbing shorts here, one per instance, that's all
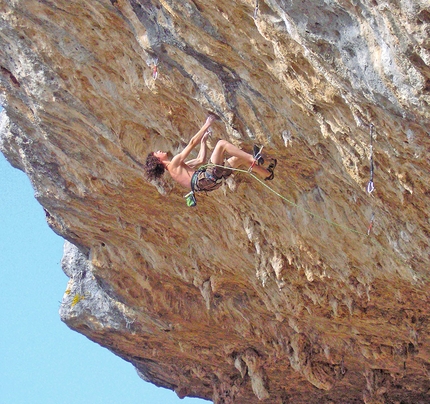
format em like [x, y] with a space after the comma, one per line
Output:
[209, 178]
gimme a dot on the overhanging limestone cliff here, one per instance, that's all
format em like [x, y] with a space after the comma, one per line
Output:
[247, 297]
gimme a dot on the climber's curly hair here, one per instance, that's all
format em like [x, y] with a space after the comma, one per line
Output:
[154, 168]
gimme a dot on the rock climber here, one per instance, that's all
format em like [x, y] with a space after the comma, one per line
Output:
[206, 178]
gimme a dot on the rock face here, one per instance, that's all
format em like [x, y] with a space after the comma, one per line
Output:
[274, 295]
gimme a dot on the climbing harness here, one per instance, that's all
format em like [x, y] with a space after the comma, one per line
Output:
[370, 185]
[205, 179]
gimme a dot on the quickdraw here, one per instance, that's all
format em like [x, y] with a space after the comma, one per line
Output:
[369, 229]
[370, 185]
[257, 6]
[154, 67]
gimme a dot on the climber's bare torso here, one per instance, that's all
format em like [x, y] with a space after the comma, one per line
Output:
[181, 173]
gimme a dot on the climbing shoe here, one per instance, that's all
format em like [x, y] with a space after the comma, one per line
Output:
[258, 157]
[271, 169]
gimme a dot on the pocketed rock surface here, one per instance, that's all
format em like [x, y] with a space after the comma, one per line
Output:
[255, 295]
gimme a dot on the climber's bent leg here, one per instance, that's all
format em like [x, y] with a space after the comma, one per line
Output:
[238, 158]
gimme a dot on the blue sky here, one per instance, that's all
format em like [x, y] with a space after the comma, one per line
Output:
[41, 359]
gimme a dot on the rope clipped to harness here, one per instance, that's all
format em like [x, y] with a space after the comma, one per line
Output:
[370, 185]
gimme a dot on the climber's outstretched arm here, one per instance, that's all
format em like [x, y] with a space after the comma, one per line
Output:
[201, 157]
[179, 159]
